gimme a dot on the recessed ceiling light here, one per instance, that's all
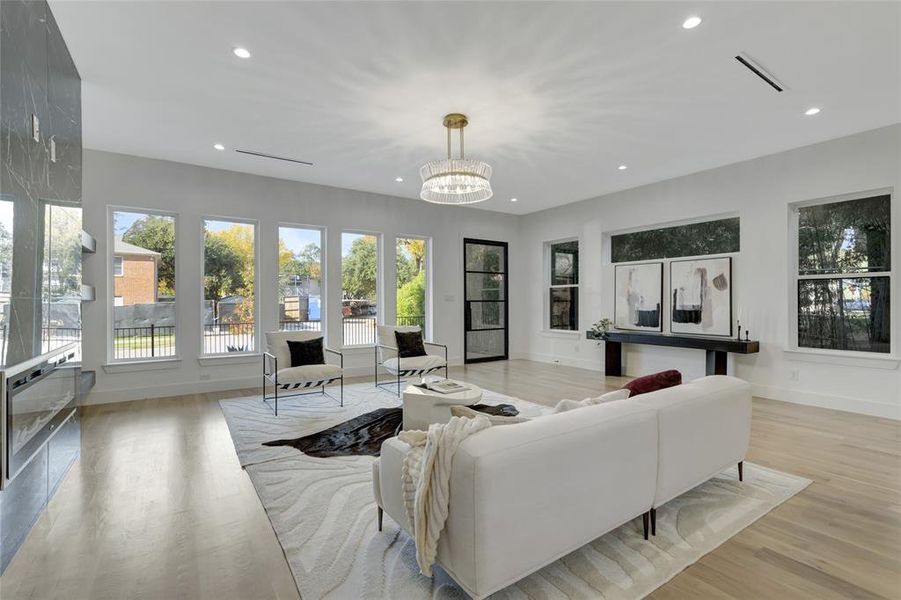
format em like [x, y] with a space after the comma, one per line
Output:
[691, 22]
[399, 179]
[241, 52]
[812, 111]
[218, 146]
[512, 199]
[622, 167]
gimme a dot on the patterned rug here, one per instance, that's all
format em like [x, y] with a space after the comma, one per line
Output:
[324, 516]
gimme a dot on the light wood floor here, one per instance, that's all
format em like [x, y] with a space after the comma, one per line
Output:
[158, 507]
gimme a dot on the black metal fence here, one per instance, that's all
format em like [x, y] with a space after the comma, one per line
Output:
[143, 342]
[222, 338]
[300, 325]
[412, 320]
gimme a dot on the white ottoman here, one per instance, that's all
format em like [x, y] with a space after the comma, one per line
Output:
[423, 407]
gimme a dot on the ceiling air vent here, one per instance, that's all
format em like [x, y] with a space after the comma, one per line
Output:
[274, 157]
[755, 67]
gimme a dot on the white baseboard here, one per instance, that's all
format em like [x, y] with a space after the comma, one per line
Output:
[843, 403]
[807, 398]
[101, 396]
[582, 363]
[98, 395]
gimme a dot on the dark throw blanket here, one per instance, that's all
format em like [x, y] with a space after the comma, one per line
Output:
[364, 435]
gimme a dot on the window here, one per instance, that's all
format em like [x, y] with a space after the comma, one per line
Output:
[60, 275]
[694, 239]
[564, 286]
[229, 286]
[143, 293]
[300, 283]
[412, 281]
[844, 274]
[359, 284]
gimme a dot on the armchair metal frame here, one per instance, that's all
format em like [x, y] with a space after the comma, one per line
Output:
[399, 380]
[271, 376]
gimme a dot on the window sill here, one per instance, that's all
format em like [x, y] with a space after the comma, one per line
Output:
[846, 359]
[229, 359]
[131, 366]
[358, 349]
[559, 333]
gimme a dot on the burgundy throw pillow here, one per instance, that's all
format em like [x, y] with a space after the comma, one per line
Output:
[653, 382]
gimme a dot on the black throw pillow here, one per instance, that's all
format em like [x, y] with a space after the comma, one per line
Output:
[306, 353]
[409, 344]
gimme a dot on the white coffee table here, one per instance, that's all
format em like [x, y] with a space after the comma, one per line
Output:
[423, 407]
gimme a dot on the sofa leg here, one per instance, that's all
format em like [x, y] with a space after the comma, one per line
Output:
[653, 521]
[741, 471]
[644, 522]
[381, 512]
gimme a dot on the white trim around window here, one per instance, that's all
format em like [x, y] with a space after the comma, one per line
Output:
[842, 357]
[379, 285]
[256, 287]
[323, 278]
[109, 298]
[550, 286]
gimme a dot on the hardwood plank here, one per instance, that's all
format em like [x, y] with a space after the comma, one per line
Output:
[159, 508]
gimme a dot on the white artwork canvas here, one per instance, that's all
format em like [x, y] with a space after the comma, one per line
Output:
[639, 297]
[701, 296]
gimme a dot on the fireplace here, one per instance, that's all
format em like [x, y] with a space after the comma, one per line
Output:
[38, 399]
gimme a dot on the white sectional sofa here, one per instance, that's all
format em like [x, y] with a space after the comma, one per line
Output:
[523, 495]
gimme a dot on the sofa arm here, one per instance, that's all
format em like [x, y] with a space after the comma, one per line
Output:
[390, 489]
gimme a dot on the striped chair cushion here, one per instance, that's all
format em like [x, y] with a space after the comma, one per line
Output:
[307, 376]
[414, 365]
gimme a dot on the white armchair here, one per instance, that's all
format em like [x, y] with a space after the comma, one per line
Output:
[413, 366]
[277, 369]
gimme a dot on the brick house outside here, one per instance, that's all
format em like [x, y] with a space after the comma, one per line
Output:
[135, 274]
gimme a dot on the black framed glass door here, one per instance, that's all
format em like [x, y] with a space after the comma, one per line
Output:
[484, 300]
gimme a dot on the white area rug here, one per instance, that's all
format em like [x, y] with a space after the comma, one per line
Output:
[324, 515]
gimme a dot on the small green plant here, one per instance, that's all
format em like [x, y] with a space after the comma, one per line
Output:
[600, 329]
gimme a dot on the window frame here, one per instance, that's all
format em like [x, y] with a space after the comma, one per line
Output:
[379, 283]
[323, 268]
[427, 306]
[794, 276]
[256, 286]
[549, 286]
[111, 284]
[120, 272]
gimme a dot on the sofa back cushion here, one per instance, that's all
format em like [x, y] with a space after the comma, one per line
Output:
[277, 344]
[703, 428]
[653, 382]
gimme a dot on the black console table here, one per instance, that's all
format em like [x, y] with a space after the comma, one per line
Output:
[716, 348]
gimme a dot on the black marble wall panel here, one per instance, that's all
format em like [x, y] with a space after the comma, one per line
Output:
[37, 78]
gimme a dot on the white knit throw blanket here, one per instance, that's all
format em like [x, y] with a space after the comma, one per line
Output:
[426, 480]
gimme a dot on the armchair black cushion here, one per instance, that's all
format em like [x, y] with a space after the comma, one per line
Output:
[409, 344]
[306, 353]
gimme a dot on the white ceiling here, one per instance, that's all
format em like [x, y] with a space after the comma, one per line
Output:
[558, 94]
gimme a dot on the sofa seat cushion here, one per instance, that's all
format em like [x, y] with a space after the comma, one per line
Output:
[653, 382]
[414, 365]
[307, 376]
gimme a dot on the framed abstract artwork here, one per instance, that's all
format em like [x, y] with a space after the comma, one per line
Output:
[639, 297]
[701, 296]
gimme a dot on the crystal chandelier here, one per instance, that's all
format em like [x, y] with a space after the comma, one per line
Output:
[455, 180]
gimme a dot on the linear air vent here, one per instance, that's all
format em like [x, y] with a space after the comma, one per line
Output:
[274, 157]
[753, 66]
